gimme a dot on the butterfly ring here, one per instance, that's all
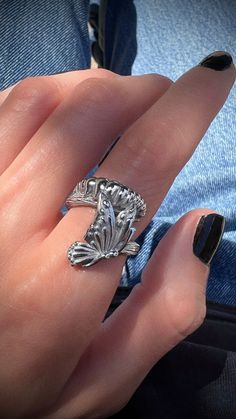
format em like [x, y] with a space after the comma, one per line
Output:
[118, 207]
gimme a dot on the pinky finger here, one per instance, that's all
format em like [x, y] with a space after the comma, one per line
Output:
[162, 310]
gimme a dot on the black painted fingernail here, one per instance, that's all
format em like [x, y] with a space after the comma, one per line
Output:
[219, 60]
[208, 236]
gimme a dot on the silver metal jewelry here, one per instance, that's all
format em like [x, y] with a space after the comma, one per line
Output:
[118, 207]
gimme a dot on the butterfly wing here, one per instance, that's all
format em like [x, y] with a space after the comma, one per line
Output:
[82, 253]
[99, 236]
[107, 236]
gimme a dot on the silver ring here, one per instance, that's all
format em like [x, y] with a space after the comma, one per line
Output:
[118, 207]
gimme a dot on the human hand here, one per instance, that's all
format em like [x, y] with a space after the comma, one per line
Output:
[56, 354]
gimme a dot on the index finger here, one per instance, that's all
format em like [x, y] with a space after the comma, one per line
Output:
[154, 150]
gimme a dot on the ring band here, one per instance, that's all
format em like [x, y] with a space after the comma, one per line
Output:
[118, 207]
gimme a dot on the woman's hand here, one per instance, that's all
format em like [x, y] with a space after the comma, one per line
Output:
[57, 358]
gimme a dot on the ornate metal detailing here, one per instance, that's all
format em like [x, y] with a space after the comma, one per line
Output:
[110, 234]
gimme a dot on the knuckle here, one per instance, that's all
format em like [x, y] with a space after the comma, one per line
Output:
[160, 150]
[104, 73]
[166, 80]
[160, 80]
[33, 90]
[170, 149]
[93, 93]
[185, 314]
[94, 86]
[173, 148]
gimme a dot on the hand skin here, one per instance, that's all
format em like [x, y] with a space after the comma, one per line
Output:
[58, 359]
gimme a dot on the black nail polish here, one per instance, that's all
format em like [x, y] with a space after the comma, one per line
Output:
[218, 61]
[207, 237]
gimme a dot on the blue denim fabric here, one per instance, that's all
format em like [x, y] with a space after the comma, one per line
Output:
[42, 37]
[173, 36]
[168, 37]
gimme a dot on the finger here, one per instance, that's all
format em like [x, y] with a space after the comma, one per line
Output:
[163, 309]
[73, 139]
[149, 169]
[43, 287]
[66, 80]
[154, 150]
[29, 103]
[147, 158]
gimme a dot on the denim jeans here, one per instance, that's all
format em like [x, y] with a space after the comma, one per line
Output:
[42, 37]
[166, 37]
[171, 37]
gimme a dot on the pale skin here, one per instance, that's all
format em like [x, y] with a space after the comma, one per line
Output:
[58, 359]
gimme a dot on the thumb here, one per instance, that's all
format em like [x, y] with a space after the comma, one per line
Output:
[178, 270]
[163, 309]
[170, 301]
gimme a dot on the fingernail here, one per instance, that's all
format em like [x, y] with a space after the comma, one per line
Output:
[208, 236]
[218, 60]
